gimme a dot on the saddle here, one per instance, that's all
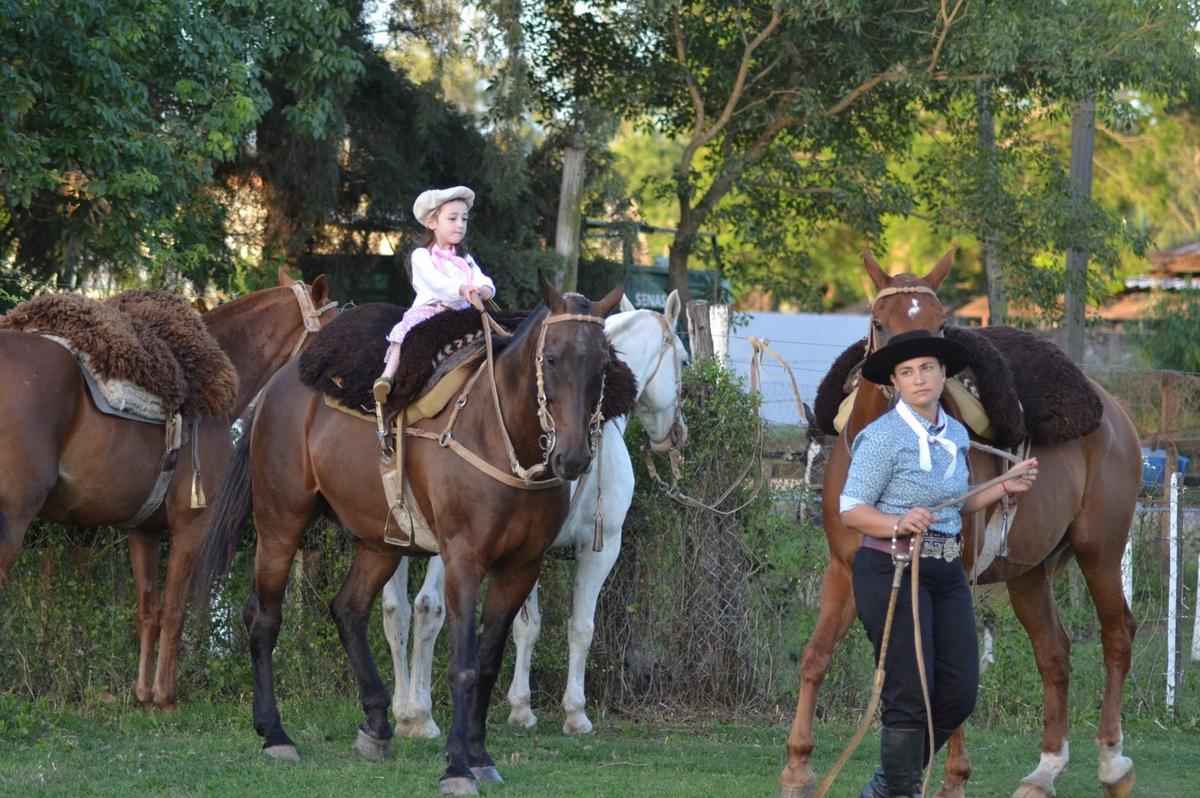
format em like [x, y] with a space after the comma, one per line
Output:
[347, 355]
[152, 340]
[437, 358]
[1026, 386]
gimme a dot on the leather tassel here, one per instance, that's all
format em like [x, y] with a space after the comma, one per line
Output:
[199, 502]
[598, 535]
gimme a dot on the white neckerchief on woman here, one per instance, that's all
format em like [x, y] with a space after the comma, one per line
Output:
[924, 436]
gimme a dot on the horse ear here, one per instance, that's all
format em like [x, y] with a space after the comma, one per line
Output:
[610, 301]
[810, 418]
[626, 306]
[875, 271]
[320, 290]
[284, 278]
[935, 277]
[671, 311]
[550, 294]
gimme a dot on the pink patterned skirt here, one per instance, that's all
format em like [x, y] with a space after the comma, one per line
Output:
[412, 317]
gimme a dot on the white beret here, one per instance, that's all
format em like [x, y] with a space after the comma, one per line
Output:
[434, 198]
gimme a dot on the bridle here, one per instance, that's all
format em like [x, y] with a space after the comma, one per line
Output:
[310, 314]
[520, 477]
[673, 438]
[872, 341]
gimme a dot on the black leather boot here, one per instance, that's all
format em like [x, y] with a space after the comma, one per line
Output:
[902, 753]
[876, 787]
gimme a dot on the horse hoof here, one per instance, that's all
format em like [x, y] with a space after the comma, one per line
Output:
[579, 725]
[1122, 788]
[523, 717]
[790, 791]
[947, 791]
[457, 785]
[1030, 790]
[487, 774]
[284, 752]
[418, 730]
[372, 748]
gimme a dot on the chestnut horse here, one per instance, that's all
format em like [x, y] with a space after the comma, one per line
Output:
[303, 457]
[647, 342]
[1081, 507]
[63, 460]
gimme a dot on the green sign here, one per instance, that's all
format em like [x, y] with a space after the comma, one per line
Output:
[647, 286]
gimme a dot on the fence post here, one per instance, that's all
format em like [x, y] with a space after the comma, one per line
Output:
[1196, 620]
[699, 329]
[1173, 595]
[718, 316]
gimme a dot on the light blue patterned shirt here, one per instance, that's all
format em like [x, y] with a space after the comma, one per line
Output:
[885, 470]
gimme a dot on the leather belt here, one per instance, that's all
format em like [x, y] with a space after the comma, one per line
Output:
[933, 547]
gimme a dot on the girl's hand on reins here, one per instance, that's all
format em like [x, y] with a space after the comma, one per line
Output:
[915, 521]
[1020, 477]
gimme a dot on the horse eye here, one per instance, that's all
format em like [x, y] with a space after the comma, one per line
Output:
[877, 325]
[548, 359]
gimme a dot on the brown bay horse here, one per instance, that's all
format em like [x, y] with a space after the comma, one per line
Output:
[63, 460]
[1081, 507]
[302, 458]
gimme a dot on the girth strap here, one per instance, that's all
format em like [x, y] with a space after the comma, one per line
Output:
[173, 434]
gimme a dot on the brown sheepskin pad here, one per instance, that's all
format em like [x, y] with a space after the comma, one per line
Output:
[1007, 365]
[154, 339]
[346, 357]
[1060, 403]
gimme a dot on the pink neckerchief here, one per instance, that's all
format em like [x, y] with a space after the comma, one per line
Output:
[443, 260]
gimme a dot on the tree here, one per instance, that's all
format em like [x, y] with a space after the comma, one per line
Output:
[1037, 64]
[111, 121]
[117, 117]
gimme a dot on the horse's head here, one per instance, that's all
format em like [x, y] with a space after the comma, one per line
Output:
[572, 357]
[905, 302]
[659, 402]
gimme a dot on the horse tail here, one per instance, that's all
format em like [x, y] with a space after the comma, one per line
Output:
[227, 522]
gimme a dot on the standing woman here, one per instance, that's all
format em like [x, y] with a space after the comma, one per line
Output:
[910, 459]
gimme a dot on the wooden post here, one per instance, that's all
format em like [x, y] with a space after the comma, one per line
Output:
[1083, 137]
[699, 329]
[570, 207]
[1165, 439]
[718, 316]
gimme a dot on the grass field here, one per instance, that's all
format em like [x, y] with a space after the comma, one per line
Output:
[211, 749]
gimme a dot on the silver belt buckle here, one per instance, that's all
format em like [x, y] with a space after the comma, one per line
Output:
[951, 548]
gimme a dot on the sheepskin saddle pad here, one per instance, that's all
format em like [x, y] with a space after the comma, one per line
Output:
[1010, 371]
[347, 355]
[151, 339]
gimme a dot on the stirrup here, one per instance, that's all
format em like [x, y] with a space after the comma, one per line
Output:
[381, 389]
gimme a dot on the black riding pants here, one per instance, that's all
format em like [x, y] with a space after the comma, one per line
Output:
[947, 639]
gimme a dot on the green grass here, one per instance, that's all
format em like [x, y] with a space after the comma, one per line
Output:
[211, 749]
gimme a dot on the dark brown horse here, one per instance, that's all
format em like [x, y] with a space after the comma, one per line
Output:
[63, 460]
[303, 457]
[1081, 507]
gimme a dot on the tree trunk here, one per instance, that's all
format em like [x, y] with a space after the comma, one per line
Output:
[570, 210]
[993, 268]
[681, 250]
[1083, 138]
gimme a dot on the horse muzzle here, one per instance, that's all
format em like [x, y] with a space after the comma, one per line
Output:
[570, 465]
[675, 438]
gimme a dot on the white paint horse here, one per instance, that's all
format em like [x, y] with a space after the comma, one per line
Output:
[646, 341]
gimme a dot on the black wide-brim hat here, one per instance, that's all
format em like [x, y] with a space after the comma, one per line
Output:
[879, 366]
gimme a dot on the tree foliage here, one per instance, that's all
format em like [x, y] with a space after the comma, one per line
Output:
[116, 117]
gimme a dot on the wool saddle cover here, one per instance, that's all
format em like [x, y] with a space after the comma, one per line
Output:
[152, 339]
[346, 357]
[1028, 387]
